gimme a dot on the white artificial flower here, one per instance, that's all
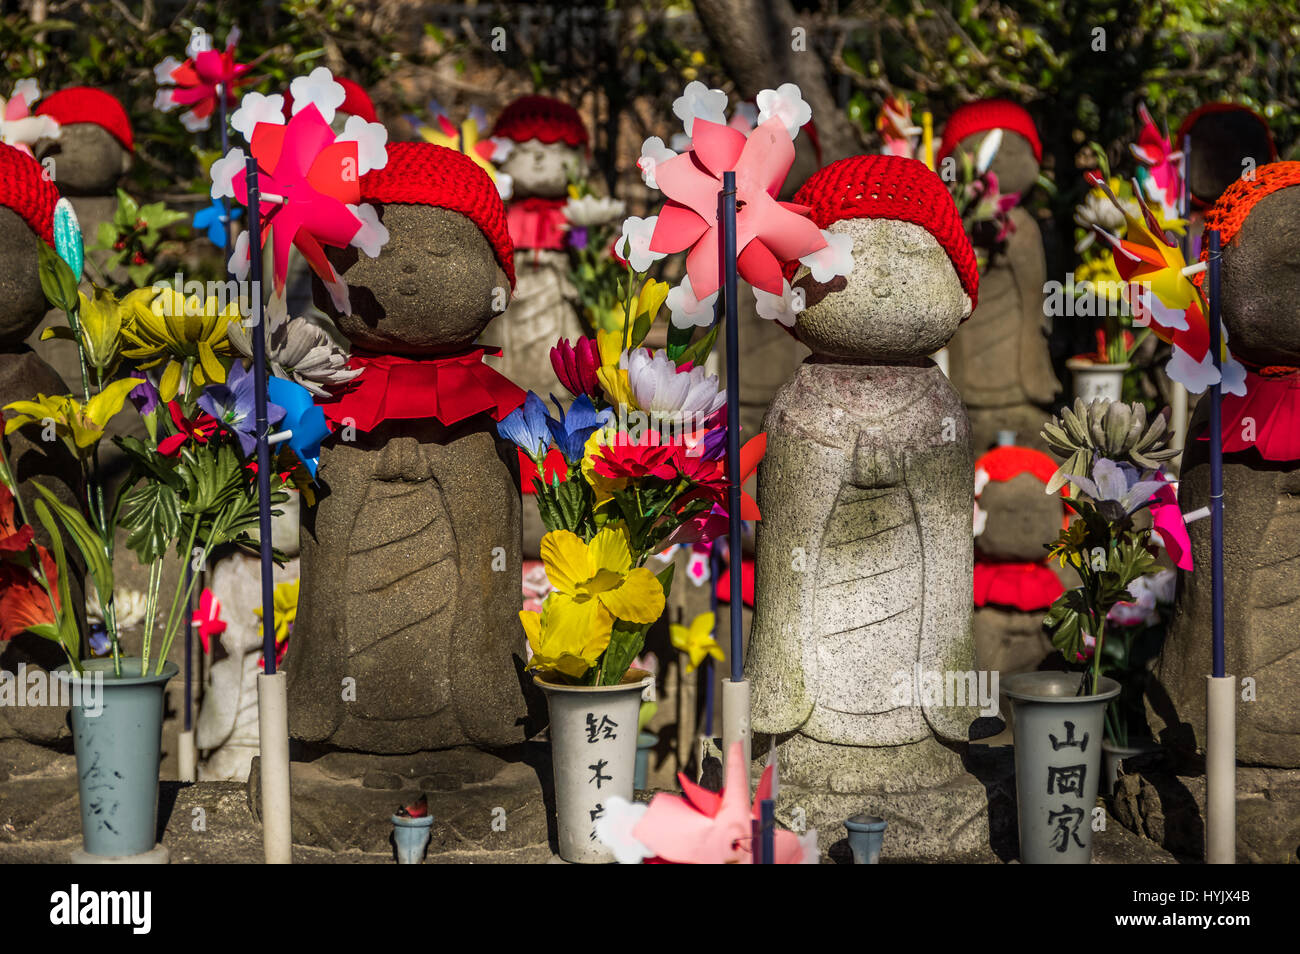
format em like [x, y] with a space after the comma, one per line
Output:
[653, 152]
[981, 480]
[162, 73]
[835, 259]
[128, 607]
[319, 88]
[782, 307]
[28, 89]
[223, 173]
[593, 210]
[699, 102]
[634, 246]
[981, 519]
[614, 830]
[505, 185]
[257, 108]
[680, 142]
[501, 149]
[298, 349]
[163, 101]
[1196, 376]
[371, 140]
[373, 235]
[687, 310]
[240, 260]
[21, 133]
[785, 103]
[660, 388]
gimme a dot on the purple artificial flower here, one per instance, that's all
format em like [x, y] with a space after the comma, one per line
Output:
[232, 404]
[144, 397]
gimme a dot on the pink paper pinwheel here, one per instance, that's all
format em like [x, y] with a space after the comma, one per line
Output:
[18, 127]
[198, 81]
[1160, 176]
[710, 828]
[768, 232]
[207, 619]
[309, 179]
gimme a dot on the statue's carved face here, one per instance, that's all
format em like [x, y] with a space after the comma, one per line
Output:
[20, 280]
[903, 299]
[1261, 282]
[1020, 519]
[432, 290]
[87, 160]
[1014, 164]
[542, 169]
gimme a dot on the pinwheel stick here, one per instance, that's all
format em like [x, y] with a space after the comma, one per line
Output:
[1221, 697]
[735, 691]
[272, 697]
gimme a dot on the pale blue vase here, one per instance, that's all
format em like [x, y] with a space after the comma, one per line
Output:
[411, 838]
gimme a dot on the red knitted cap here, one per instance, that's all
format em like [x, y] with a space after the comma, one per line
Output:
[356, 101]
[420, 173]
[1230, 211]
[985, 115]
[1005, 463]
[24, 188]
[85, 104]
[541, 117]
[890, 187]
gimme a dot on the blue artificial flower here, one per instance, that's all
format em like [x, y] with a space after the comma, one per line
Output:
[67, 237]
[528, 427]
[572, 429]
[216, 218]
[303, 417]
[233, 405]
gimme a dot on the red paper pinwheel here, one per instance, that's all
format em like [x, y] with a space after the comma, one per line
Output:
[768, 232]
[200, 79]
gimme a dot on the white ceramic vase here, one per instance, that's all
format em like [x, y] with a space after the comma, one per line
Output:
[1093, 382]
[593, 754]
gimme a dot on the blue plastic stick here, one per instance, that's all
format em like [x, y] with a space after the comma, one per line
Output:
[727, 198]
[1216, 458]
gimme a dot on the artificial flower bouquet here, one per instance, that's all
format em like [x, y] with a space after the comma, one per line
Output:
[640, 470]
[191, 488]
[985, 210]
[1112, 457]
[592, 225]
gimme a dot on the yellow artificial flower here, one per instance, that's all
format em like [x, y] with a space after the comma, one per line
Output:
[286, 610]
[646, 306]
[595, 584]
[181, 331]
[80, 426]
[696, 641]
[101, 320]
[464, 143]
[603, 487]
[613, 379]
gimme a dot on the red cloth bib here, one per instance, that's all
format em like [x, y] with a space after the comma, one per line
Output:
[537, 223]
[1272, 403]
[1023, 586]
[449, 389]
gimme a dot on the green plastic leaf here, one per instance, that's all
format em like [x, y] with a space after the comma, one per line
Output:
[64, 629]
[152, 520]
[57, 280]
[700, 350]
[628, 639]
[87, 540]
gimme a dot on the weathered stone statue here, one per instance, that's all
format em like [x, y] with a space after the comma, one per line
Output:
[27, 202]
[407, 623]
[864, 552]
[1014, 582]
[1227, 139]
[87, 161]
[1261, 489]
[999, 361]
[548, 150]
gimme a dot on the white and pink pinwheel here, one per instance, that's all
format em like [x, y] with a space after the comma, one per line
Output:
[18, 127]
[308, 178]
[769, 232]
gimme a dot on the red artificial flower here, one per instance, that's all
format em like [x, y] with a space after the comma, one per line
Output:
[13, 538]
[575, 366]
[714, 486]
[553, 467]
[200, 430]
[23, 601]
[208, 618]
[637, 460]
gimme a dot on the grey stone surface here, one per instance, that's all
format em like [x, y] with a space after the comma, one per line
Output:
[864, 552]
[1261, 542]
[87, 160]
[999, 360]
[407, 636]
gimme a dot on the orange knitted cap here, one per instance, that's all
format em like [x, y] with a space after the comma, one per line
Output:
[24, 188]
[85, 104]
[1230, 212]
[420, 173]
[890, 187]
[541, 117]
[985, 115]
